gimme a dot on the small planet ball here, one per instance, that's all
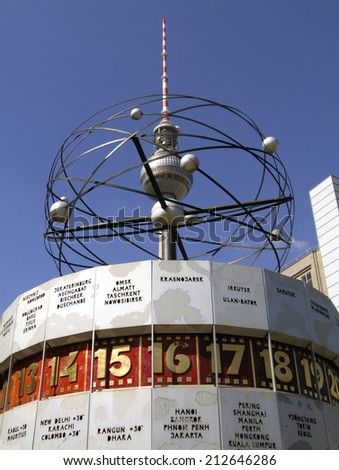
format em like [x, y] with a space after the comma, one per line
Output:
[59, 211]
[136, 114]
[270, 144]
[189, 163]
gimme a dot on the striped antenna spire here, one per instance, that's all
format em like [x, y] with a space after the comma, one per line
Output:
[164, 78]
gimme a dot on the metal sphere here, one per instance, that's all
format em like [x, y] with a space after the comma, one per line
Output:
[59, 211]
[270, 144]
[136, 114]
[172, 215]
[189, 163]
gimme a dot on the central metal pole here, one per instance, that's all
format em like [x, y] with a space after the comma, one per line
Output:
[167, 244]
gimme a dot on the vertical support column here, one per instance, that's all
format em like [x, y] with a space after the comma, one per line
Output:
[168, 244]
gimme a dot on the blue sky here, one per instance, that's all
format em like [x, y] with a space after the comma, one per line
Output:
[61, 61]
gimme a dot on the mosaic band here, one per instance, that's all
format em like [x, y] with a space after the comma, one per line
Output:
[176, 359]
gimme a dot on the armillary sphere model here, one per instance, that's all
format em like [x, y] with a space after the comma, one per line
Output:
[168, 176]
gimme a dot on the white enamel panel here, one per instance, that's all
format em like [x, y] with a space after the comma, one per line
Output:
[286, 300]
[62, 423]
[18, 427]
[71, 304]
[331, 416]
[239, 298]
[7, 331]
[185, 419]
[182, 293]
[120, 419]
[249, 420]
[324, 319]
[123, 295]
[31, 317]
[302, 423]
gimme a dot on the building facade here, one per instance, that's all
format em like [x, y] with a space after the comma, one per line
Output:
[309, 269]
[325, 207]
[320, 266]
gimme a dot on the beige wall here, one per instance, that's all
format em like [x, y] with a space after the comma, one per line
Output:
[311, 262]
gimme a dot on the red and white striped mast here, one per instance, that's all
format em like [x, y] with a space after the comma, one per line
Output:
[165, 133]
[172, 173]
[164, 77]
